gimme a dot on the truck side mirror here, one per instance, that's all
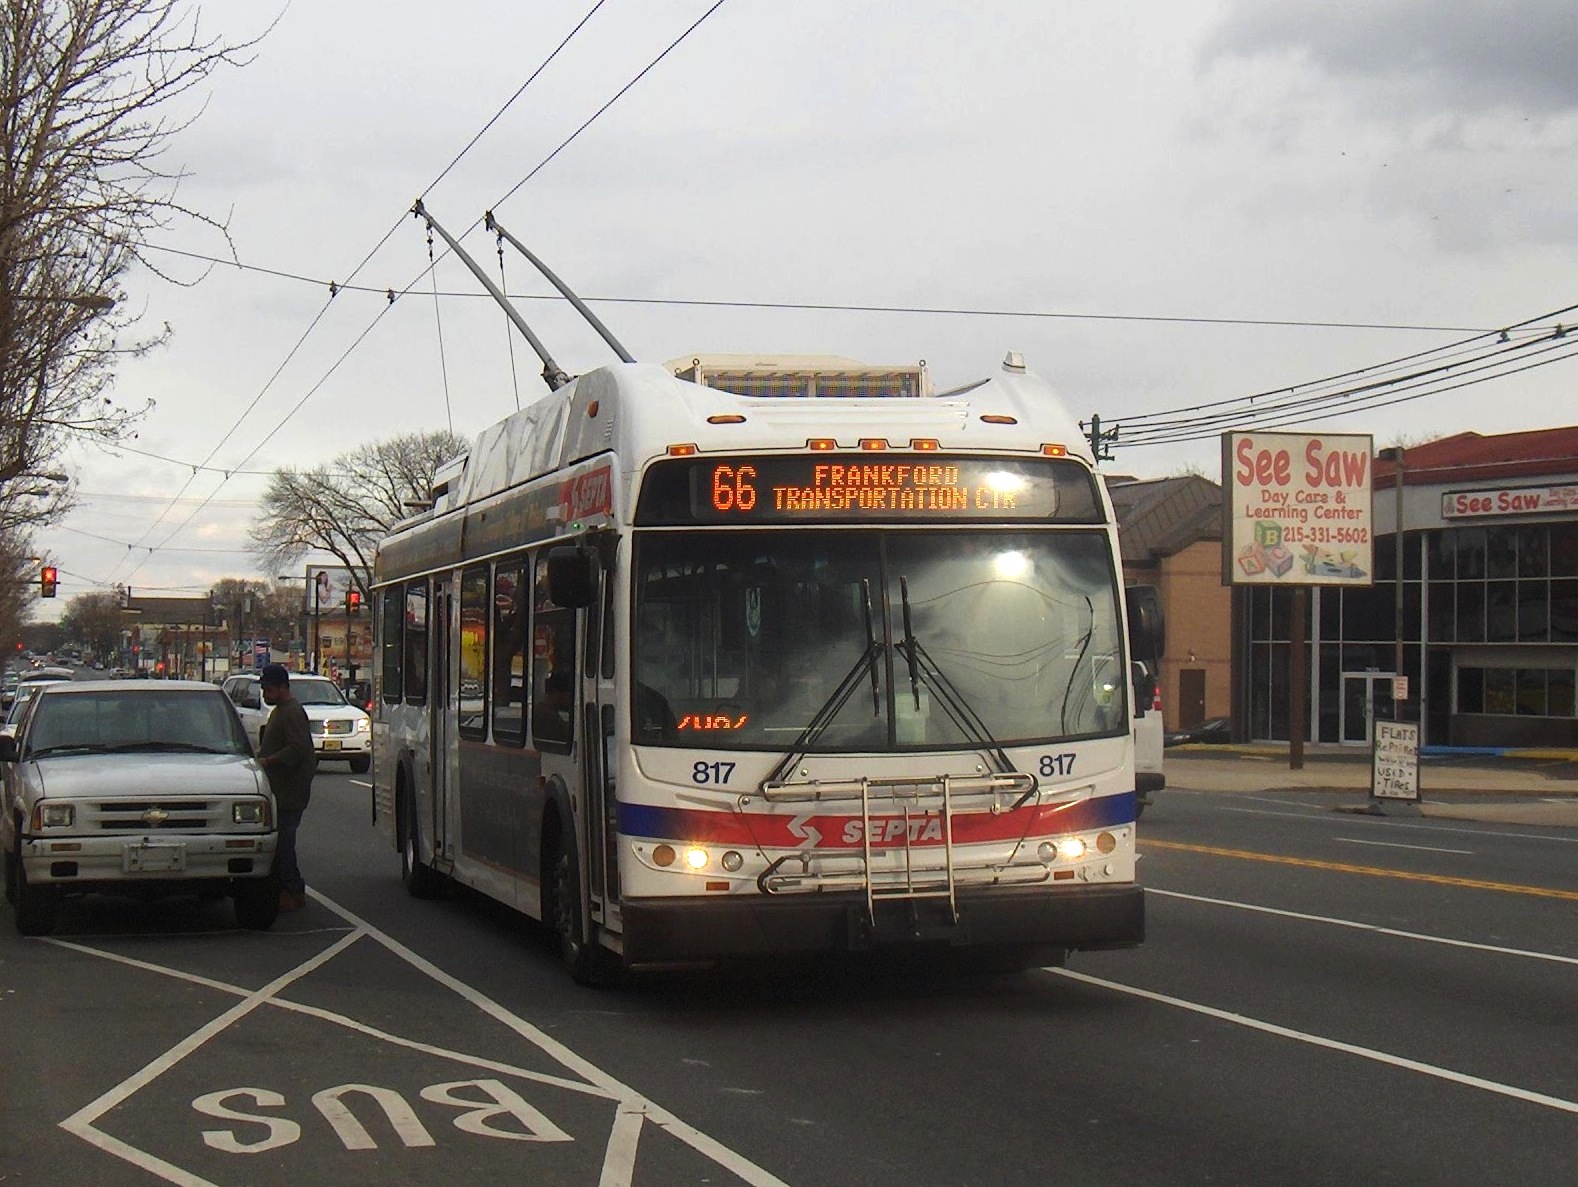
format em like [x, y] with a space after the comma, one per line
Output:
[8, 750]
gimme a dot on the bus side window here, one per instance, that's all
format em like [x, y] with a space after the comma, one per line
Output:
[509, 653]
[552, 651]
[392, 618]
[475, 601]
[416, 642]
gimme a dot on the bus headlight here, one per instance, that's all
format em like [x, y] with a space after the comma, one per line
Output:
[696, 859]
[1071, 848]
[663, 856]
[732, 861]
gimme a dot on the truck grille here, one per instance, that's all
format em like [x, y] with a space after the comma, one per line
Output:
[155, 815]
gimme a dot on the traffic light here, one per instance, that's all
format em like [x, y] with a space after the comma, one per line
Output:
[353, 602]
[48, 578]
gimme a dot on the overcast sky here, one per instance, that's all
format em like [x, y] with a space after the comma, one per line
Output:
[1385, 163]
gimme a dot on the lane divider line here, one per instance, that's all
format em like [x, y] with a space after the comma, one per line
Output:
[1369, 871]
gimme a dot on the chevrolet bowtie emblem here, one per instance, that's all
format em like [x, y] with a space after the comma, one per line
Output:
[154, 817]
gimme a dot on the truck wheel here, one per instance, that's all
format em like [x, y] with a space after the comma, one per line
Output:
[11, 867]
[257, 903]
[360, 766]
[35, 906]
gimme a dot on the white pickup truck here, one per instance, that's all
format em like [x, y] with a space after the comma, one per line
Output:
[134, 787]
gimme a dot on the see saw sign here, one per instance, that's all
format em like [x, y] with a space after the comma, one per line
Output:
[1296, 509]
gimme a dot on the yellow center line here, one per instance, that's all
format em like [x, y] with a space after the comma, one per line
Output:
[1373, 871]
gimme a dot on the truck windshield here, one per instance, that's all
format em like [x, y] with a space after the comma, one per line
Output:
[744, 639]
[88, 722]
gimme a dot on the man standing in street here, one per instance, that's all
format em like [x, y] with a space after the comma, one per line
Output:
[288, 758]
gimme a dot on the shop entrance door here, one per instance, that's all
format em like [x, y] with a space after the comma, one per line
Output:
[1365, 696]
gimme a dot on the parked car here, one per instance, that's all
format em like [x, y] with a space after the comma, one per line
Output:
[145, 788]
[339, 730]
[1213, 731]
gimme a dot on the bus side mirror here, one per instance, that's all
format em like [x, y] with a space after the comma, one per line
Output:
[1144, 688]
[570, 577]
[1147, 627]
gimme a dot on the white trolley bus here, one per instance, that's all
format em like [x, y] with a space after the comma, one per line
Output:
[742, 657]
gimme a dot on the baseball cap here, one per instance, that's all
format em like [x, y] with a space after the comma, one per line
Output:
[275, 675]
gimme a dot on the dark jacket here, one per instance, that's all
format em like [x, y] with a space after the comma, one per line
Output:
[289, 754]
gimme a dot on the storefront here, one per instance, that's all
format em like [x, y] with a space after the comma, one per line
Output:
[1489, 614]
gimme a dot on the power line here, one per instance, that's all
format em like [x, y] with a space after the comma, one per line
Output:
[843, 307]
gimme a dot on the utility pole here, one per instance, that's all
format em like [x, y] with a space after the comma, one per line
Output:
[1100, 439]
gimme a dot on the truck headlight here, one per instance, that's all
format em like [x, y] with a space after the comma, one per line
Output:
[55, 815]
[249, 812]
[364, 725]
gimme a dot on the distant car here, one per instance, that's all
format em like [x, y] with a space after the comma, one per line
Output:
[1211, 731]
[134, 788]
[339, 730]
[37, 676]
[361, 694]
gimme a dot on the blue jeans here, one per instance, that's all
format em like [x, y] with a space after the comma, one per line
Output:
[285, 868]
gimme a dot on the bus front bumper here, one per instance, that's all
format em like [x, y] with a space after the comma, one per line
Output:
[675, 931]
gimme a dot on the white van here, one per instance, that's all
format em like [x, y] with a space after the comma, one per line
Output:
[1148, 739]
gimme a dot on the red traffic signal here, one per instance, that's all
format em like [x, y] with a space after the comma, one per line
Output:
[353, 602]
[48, 578]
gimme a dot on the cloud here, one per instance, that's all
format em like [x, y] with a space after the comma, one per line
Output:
[1465, 58]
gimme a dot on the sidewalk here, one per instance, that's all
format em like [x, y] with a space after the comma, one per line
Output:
[1504, 790]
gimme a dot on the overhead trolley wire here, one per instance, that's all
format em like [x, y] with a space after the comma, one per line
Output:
[933, 310]
[334, 288]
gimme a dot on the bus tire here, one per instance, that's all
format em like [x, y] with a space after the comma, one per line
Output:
[589, 962]
[421, 880]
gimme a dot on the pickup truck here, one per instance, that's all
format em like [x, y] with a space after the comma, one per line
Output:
[134, 787]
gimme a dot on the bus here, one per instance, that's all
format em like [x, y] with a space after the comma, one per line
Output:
[739, 657]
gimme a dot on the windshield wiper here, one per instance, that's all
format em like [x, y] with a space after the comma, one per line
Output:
[1084, 646]
[184, 747]
[68, 748]
[824, 716]
[924, 668]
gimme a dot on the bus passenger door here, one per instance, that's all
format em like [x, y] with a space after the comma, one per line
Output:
[441, 719]
[597, 760]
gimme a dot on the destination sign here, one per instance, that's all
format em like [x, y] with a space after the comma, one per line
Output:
[833, 488]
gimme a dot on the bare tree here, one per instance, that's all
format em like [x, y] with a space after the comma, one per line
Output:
[91, 93]
[94, 619]
[344, 508]
[18, 581]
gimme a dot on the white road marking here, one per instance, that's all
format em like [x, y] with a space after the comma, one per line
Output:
[1399, 845]
[361, 782]
[1314, 1040]
[81, 1122]
[633, 1111]
[619, 1162]
[736, 1164]
[1356, 925]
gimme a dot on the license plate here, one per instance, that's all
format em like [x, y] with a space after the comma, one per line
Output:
[153, 858]
[331, 743]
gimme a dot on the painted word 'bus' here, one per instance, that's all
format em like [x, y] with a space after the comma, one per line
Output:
[733, 657]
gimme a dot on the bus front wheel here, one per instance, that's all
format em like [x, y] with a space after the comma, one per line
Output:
[421, 879]
[588, 961]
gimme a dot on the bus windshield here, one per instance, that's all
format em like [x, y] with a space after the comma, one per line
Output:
[872, 640]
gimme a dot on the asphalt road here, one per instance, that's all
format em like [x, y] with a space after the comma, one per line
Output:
[1322, 999]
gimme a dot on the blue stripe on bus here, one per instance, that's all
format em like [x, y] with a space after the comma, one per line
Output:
[701, 825]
